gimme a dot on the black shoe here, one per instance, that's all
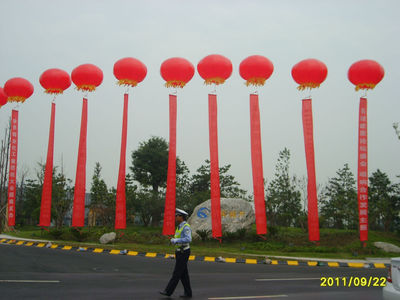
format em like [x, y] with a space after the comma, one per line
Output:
[164, 293]
[185, 296]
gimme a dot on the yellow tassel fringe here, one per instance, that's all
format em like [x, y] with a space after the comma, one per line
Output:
[365, 86]
[86, 87]
[215, 80]
[16, 99]
[54, 91]
[175, 83]
[255, 81]
[127, 82]
[308, 85]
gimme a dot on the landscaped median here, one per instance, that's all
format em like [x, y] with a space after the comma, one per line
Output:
[243, 259]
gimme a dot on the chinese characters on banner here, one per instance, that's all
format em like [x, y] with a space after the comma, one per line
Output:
[12, 175]
[362, 178]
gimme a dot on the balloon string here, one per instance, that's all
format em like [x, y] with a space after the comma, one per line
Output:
[214, 90]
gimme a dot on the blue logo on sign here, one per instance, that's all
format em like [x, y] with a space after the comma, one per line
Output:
[203, 212]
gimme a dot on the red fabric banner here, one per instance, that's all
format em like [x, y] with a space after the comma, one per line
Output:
[214, 167]
[257, 165]
[120, 209]
[169, 210]
[313, 222]
[78, 212]
[45, 207]
[12, 174]
[362, 174]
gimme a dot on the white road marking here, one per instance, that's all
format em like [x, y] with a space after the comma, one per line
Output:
[287, 279]
[30, 281]
[249, 297]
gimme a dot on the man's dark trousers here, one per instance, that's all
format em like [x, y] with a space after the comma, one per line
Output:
[180, 273]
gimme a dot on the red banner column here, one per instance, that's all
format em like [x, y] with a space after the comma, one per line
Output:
[12, 174]
[170, 197]
[120, 210]
[214, 167]
[45, 208]
[257, 165]
[362, 178]
[313, 222]
[78, 212]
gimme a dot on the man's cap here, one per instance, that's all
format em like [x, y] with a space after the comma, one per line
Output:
[181, 212]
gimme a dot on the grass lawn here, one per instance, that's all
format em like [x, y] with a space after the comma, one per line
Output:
[334, 243]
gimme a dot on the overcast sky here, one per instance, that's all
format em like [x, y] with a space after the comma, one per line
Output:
[38, 35]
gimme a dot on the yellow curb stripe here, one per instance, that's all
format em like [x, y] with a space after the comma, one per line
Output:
[230, 260]
[54, 246]
[115, 251]
[20, 243]
[79, 249]
[274, 262]
[67, 248]
[151, 254]
[192, 257]
[312, 263]
[3, 240]
[333, 264]
[251, 261]
[41, 245]
[292, 263]
[98, 250]
[380, 266]
[11, 241]
[356, 265]
[209, 258]
[29, 244]
[133, 253]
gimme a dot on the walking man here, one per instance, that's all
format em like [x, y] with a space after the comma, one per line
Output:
[181, 240]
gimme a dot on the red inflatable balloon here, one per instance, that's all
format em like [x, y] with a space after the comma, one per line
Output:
[365, 74]
[18, 89]
[309, 73]
[87, 77]
[129, 71]
[3, 97]
[55, 81]
[256, 69]
[176, 72]
[214, 69]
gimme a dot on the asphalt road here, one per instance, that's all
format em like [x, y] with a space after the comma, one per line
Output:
[40, 273]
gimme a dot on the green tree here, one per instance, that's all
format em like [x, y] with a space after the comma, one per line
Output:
[199, 186]
[150, 163]
[62, 197]
[149, 168]
[383, 202]
[283, 204]
[102, 202]
[28, 212]
[339, 206]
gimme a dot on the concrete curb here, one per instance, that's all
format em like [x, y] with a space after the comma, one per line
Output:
[310, 263]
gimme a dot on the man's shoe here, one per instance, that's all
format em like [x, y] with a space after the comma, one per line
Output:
[185, 296]
[164, 293]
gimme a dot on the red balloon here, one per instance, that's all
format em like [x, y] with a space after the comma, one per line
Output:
[365, 74]
[55, 81]
[256, 69]
[309, 73]
[3, 97]
[87, 77]
[176, 72]
[129, 71]
[214, 69]
[18, 89]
